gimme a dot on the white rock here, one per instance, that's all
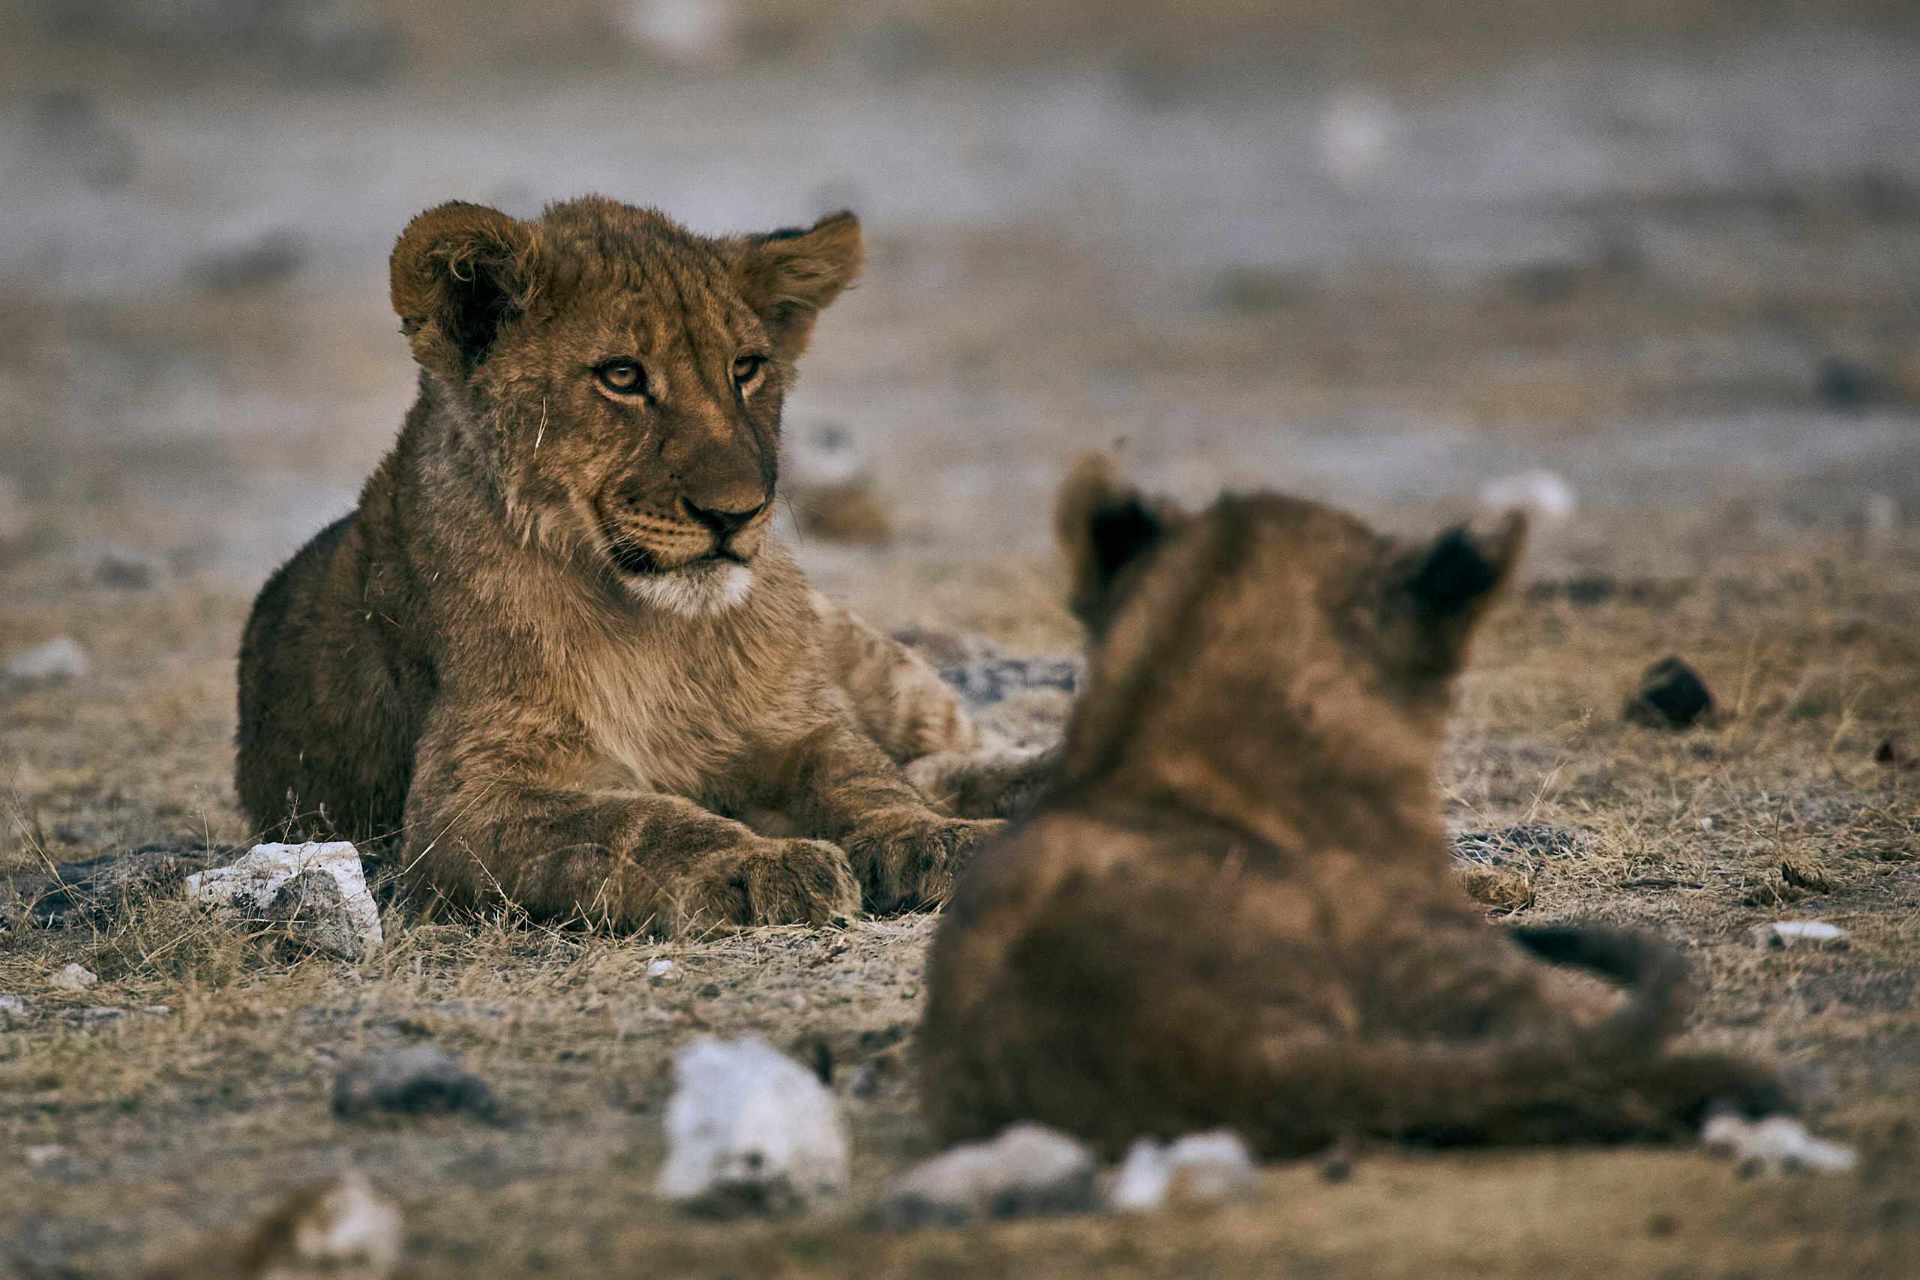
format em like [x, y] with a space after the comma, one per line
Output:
[74, 977]
[1358, 133]
[350, 1230]
[1199, 1169]
[1544, 495]
[12, 1009]
[1775, 1144]
[688, 32]
[1028, 1169]
[1782, 934]
[750, 1131]
[659, 970]
[60, 658]
[44, 1153]
[249, 885]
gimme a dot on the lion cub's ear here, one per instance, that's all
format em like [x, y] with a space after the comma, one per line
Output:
[458, 272]
[788, 276]
[1104, 525]
[1445, 587]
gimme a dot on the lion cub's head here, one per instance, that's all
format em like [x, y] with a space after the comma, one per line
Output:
[1267, 623]
[621, 378]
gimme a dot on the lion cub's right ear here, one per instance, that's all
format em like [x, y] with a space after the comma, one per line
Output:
[1104, 525]
[458, 273]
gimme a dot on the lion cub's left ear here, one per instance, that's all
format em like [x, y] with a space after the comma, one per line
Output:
[1105, 525]
[1445, 586]
[788, 276]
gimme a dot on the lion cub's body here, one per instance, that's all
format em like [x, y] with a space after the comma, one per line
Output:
[554, 654]
[1235, 907]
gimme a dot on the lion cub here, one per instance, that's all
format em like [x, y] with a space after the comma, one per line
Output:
[1234, 906]
[554, 654]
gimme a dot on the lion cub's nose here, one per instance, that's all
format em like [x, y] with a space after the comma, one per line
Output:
[723, 522]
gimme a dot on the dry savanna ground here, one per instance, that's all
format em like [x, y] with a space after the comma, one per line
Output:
[1375, 252]
[129, 1134]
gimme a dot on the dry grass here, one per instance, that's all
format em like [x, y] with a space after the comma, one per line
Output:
[169, 1123]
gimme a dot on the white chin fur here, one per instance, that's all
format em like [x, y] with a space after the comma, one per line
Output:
[697, 591]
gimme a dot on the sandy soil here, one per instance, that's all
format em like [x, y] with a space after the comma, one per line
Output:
[1682, 276]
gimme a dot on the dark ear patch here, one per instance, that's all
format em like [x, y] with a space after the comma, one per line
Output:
[1121, 533]
[1104, 525]
[457, 273]
[1452, 575]
[1459, 570]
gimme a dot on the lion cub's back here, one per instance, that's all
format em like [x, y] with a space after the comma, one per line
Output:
[327, 712]
[1083, 950]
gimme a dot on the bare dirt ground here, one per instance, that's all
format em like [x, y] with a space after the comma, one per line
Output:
[1681, 272]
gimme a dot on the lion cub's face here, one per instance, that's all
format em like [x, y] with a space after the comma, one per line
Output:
[1266, 611]
[622, 377]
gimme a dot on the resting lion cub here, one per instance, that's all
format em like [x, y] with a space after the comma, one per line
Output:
[1234, 907]
[554, 650]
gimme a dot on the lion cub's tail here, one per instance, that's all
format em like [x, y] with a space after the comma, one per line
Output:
[1654, 974]
[1609, 1082]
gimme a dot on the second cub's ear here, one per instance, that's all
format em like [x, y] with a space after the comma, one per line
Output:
[1447, 584]
[1104, 525]
[788, 276]
[458, 273]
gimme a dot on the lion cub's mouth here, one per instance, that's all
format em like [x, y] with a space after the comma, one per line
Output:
[636, 561]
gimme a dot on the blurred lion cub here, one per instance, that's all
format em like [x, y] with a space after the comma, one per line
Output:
[1234, 907]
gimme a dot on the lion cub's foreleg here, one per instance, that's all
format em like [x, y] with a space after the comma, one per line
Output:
[841, 785]
[489, 815]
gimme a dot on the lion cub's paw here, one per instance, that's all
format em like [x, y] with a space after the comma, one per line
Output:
[774, 882]
[907, 860]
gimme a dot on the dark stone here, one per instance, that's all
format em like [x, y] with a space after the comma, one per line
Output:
[1840, 383]
[1524, 846]
[91, 892]
[417, 1080]
[268, 259]
[990, 680]
[1670, 695]
[1896, 752]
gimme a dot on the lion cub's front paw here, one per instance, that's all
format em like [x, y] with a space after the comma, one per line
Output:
[908, 858]
[772, 882]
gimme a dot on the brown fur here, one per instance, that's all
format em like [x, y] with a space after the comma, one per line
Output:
[554, 654]
[1234, 906]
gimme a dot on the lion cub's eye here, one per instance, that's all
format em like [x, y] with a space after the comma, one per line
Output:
[622, 377]
[746, 368]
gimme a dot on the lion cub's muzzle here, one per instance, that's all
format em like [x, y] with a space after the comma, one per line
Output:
[641, 539]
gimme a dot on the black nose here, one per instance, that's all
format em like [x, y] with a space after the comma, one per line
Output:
[723, 523]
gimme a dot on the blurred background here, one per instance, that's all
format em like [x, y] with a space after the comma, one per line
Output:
[1651, 266]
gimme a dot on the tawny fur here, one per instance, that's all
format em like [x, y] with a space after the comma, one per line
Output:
[1234, 905]
[554, 653]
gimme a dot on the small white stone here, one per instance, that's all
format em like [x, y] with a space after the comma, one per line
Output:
[1199, 1169]
[73, 977]
[750, 1131]
[42, 1154]
[1029, 1169]
[249, 885]
[1544, 495]
[1774, 1144]
[659, 970]
[1781, 934]
[686, 32]
[12, 1009]
[350, 1230]
[60, 658]
[1359, 130]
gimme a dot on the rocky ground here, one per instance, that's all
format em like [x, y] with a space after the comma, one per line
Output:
[1678, 276]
